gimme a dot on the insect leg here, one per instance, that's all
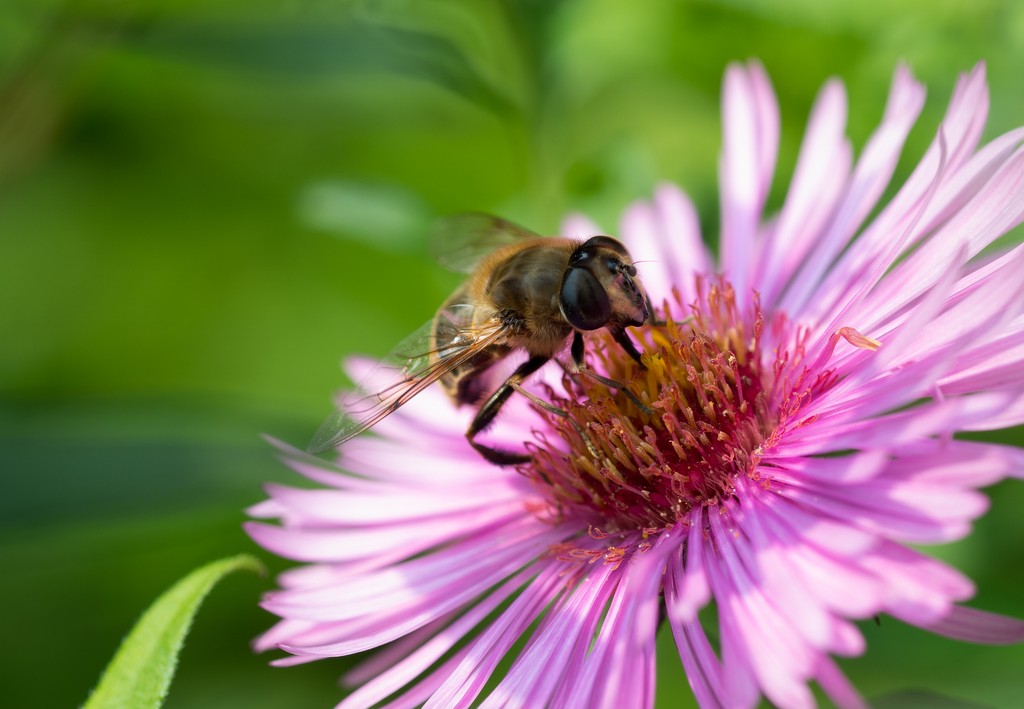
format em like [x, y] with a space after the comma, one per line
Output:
[562, 413]
[620, 336]
[582, 368]
[490, 409]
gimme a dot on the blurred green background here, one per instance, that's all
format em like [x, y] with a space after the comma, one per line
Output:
[204, 205]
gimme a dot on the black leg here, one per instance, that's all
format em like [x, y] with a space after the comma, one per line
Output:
[561, 413]
[580, 363]
[490, 409]
[620, 336]
[577, 350]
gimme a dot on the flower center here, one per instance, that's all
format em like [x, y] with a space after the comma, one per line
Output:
[711, 408]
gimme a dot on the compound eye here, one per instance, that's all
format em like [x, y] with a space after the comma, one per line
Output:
[583, 300]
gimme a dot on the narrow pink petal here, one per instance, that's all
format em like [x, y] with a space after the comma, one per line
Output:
[1012, 414]
[859, 407]
[968, 111]
[819, 179]
[587, 681]
[690, 579]
[780, 658]
[323, 633]
[919, 590]
[373, 665]
[874, 265]
[642, 235]
[335, 506]
[853, 468]
[941, 343]
[902, 340]
[684, 247]
[536, 673]
[954, 141]
[409, 581]
[399, 674]
[750, 117]
[996, 209]
[373, 630]
[848, 640]
[281, 632]
[703, 670]
[839, 586]
[577, 661]
[268, 509]
[619, 671]
[957, 463]
[664, 239]
[626, 678]
[779, 581]
[740, 683]
[419, 693]
[909, 511]
[907, 371]
[837, 686]
[991, 368]
[872, 173]
[967, 316]
[346, 544]
[964, 184]
[835, 537]
[994, 352]
[464, 682]
[977, 626]
[894, 430]
[292, 661]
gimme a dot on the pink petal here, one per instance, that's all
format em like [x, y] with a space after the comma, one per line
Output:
[347, 544]
[398, 675]
[918, 590]
[976, 626]
[664, 239]
[464, 682]
[750, 141]
[870, 176]
[703, 670]
[956, 137]
[779, 657]
[567, 630]
[837, 686]
[690, 580]
[818, 182]
[909, 511]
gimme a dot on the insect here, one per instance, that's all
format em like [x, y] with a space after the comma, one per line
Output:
[526, 293]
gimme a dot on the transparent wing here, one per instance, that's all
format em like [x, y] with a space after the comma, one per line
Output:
[416, 363]
[459, 242]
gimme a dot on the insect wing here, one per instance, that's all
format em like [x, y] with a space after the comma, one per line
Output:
[461, 241]
[415, 364]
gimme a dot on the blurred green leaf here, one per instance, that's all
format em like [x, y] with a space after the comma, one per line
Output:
[309, 50]
[382, 215]
[141, 671]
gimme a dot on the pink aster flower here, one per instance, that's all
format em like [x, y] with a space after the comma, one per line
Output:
[805, 393]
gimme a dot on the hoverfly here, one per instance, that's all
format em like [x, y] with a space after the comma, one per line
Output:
[526, 292]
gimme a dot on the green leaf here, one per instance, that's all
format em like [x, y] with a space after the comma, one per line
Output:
[141, 671]
[317, 50]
